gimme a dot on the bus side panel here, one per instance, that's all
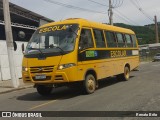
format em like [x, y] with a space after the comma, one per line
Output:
[102, 68]
[119, 64]
[83, 67]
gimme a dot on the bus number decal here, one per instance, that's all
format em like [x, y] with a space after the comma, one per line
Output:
[91, 54]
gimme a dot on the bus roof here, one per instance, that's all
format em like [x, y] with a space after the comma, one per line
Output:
[87, 23]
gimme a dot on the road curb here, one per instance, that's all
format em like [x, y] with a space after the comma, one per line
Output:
[16, 89]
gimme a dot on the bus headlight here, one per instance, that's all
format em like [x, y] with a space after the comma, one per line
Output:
[64, 66]
[24, 69]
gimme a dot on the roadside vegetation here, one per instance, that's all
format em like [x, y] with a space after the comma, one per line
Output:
[145, 34]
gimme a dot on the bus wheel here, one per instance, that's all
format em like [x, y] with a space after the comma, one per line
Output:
[90, 84]
[124, 76]
[44, 90]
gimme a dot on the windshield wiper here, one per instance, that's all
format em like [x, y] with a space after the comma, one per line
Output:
[52, 46]
[41, 53]
[37, 49]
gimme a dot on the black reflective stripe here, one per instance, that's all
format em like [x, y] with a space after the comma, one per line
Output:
[104, 54]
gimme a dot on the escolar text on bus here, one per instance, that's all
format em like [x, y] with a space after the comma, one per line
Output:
[118, 53]
[52, 28]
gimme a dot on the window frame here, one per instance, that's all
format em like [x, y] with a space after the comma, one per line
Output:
[124, 43]
[134, 40]
[103, 37]
[130, 40]
[90, 29]
[115, 39]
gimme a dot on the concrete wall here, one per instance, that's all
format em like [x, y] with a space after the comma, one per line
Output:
[4, 62]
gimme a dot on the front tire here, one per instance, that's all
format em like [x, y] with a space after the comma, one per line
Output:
[124, 76]
[44, 90]
[90, 84]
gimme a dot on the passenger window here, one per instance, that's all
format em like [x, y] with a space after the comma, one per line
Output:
[99, 38]
[134, 40]
[128, 40]
[111, 41]
[86, 40]
[120, 40]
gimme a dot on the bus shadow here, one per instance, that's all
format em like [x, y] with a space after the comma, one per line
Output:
[58, 93]
[67, 93]
[110, 81]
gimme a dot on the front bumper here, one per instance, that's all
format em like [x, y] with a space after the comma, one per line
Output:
[54, 76]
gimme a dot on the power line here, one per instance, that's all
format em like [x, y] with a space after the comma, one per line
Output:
[157, 12]
[117, 4]
[137, 5]
[74, 7]
[98, 3]
[140, 8]
[123, 18]
[126, 17]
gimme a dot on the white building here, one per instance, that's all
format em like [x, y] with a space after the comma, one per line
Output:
[151, 49]
[22, 20]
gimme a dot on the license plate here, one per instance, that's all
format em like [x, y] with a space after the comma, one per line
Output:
[39, 77]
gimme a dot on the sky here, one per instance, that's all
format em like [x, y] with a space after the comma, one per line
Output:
[132, 12]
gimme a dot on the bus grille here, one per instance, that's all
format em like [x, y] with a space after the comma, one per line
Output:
[58, 77]
[42, 69]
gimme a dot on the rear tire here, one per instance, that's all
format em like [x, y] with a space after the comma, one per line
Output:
[89, 84]
[124, 76]
[44, 90]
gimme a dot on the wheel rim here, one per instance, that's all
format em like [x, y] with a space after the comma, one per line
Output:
[127, 73]
[91, 84]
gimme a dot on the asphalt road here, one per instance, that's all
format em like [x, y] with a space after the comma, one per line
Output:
[140, 93]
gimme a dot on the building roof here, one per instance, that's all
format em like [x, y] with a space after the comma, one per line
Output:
[15, 9]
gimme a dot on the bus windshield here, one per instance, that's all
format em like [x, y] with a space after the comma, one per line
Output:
[53, 39]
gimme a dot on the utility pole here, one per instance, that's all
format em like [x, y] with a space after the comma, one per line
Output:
[9, 42]
[156, 29]
[110, 13]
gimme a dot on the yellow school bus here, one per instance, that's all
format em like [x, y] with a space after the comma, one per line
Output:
[78, 52]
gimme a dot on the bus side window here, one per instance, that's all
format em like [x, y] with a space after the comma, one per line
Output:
[99, 38]
[120, 40]
[128, 40]
[86, 40]
[134, 40]
[110, 37]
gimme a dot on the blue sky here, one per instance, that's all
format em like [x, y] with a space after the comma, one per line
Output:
[135, 12]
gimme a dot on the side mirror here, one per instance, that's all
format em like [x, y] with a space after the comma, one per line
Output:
[15, 45]
[22, 48]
